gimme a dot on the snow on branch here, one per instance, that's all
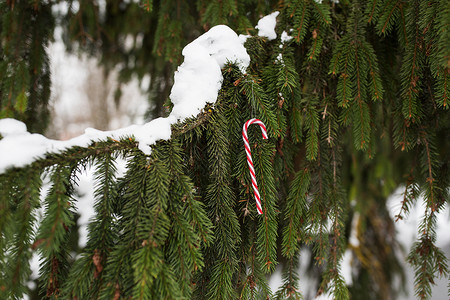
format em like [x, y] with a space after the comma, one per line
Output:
[197, 83]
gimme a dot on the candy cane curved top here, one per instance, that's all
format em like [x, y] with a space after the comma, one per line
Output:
[249, 158]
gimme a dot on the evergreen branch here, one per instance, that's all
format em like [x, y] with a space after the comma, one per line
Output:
[300, 13]
[219, 198]
[312, 125]
[126, 145]
[340, 290]
[59, 218]
[100, 239]
[336, 216]
[296, 121]
[359, 101]
[442, 24]
[361, 122]
[289, 289]
[220, 202]
[389, 16]
[114, 272]
[410, 195]
[430, 178]
[345, 85]
[267, 227]
[335, 63]
[53, 232]
[153, 232]
[316, 46]
[403, 25]
[411, 69]
[148, 5]
[77, 154]
[262, 288]
[374, 74]
[316, 214]
[148, 264]
[294, 209]
[221, 276]
[136, 206]
[287, 77]
[250, 285]
[375, 3]
[260, 103]
[80, 278]
[166, 285]
[388, 19]
[427, 260]
[403, 132]
[219, 12]
[17, 271]
[154, 227]
[190, 259]
[195, 211]
[323, 12]
[442, 88]
[6, 225]
[255, 285]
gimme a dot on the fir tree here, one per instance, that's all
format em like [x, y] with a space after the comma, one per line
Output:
[356, 105]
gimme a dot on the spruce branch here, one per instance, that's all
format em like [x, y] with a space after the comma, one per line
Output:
[220, 202]
[290, 289]
[300, 13]
[267, 227]
[412, 67]
[17, 270]
[53, 232]
[294, 213]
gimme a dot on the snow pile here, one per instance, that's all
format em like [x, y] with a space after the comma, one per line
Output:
[199, 78]
[197, 82]
[266, 26]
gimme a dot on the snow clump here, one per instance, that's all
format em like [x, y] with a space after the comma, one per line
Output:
[266, 26]
[199, 78]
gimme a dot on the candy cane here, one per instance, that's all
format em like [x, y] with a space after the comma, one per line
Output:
[249, 158]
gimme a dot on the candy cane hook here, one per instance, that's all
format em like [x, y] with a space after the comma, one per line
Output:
[249, 158]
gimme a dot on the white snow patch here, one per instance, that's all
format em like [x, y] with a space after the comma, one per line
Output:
[244, 37]
[199, 79]
[285, 37]
[12, 127]
[320, 1]
[84, 204]
[197, 82]
[280, 59]
[266, 26]
[347, 267]
[353, 240]
[276, 279]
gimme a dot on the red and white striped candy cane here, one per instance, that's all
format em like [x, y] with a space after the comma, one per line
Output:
[249, 158]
